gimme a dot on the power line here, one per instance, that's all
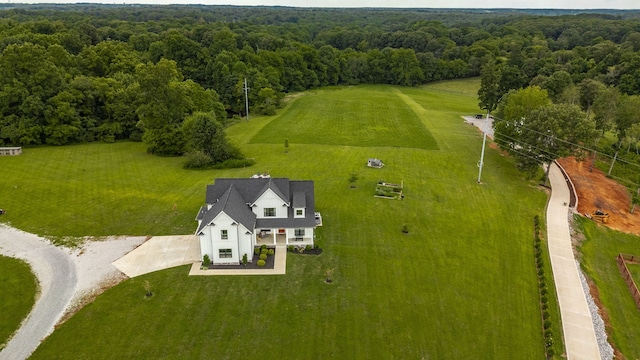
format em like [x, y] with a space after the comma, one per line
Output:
[514, 143]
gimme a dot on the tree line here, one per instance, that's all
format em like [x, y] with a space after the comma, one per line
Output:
[80, 73]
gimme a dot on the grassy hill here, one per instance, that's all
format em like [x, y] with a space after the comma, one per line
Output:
[461, 284]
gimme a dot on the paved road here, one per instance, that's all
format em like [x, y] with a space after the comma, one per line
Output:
[577, 325]
[56, 273]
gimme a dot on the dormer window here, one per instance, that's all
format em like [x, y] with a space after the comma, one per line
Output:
[299, 213]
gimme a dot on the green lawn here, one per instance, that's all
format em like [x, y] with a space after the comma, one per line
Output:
[461, 284]
[369, 116]
[101, 189]
[18, 288]
[634, 269]
[599, 250]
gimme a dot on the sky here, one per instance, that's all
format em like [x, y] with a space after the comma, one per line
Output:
[470, 4]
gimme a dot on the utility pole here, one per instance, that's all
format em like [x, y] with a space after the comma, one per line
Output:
[246, 97]
[484, 141]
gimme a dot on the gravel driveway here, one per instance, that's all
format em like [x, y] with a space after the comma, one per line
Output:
[65, 277]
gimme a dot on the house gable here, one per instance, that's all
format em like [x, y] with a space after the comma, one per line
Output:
[270, 206]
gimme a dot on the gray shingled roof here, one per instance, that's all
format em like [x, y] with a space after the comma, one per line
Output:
[250, 189]
[233, 196]
[232, 204]
[299, 199]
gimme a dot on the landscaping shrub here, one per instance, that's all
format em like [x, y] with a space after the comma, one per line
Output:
[263, 256]
[263, 246]
[197, 160]
[308, 247]
[245, 259]
[264, 251]
[547, 324]
[291, 247]
[543, 291]
[550, 352]
[548, 341]
[261, 263]
[256, 251]
[234, 163]
[206, 261]
[271, 251]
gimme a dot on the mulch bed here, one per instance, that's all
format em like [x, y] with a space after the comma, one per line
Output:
[314, 251]
[251, 265]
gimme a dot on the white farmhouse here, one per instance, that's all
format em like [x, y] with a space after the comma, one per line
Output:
[243, 213]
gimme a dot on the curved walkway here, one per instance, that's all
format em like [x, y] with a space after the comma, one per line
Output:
[57, 276]
[577, 325]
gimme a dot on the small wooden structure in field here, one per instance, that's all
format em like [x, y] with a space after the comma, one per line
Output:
[387, 190]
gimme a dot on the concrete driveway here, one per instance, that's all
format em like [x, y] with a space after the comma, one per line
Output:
[158, 253]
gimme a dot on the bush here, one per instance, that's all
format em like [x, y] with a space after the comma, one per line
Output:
[291, 247]
[197, 160]
[548, 342]
[308, 247]
[245, 259]
[234, 163]
[264, 251]
[256, 251]
[547, 324]
[271, 251]
[136, 135]
[263, 256]
[263, 246]
[261, 263]
[544, 299]
[206, 260]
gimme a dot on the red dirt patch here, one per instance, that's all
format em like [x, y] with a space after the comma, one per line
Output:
[596, 191]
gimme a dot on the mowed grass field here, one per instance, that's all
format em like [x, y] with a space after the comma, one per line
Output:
[353, 116]
[599, 251]
[461, 284]
[18, 287]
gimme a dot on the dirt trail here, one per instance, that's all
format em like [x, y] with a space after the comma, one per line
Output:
[596, 191]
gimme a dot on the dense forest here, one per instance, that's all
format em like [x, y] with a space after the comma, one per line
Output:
[81, 73]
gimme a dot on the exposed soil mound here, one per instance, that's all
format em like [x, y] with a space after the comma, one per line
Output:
[596, 191]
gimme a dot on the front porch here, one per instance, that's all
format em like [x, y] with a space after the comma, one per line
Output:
[281, 237]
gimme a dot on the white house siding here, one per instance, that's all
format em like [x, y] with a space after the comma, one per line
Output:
[224, 222]
[307, 239]
[246, 243]
[270, 200]
[205, 243]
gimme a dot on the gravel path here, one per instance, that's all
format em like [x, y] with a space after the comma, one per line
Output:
[66, 277]
[606, 351]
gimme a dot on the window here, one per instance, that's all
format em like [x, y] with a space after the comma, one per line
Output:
[299, 232]
[225, 253]
[269, 212]
[299, 212]
[224, 235]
